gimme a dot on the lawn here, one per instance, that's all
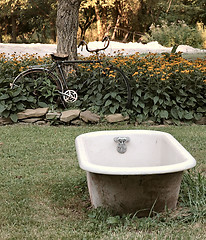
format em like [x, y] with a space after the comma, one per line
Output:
[43, 192]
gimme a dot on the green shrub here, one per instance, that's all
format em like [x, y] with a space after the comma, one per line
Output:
[168, 87]
[164, 87]
[15, 100]
[99, 89]
[175, 34]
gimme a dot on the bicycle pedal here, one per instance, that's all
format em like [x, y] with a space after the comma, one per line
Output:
[70, 96]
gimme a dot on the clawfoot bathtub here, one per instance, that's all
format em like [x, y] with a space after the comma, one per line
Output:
[133, 171]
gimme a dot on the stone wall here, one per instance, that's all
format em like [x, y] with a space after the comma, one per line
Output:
[41, 116]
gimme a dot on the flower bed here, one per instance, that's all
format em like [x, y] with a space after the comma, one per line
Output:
[164, 87]
[168, 87]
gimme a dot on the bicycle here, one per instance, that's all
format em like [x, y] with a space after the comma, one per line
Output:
[107, 88]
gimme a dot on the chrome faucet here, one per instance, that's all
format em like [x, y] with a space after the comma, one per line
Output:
[121, 146]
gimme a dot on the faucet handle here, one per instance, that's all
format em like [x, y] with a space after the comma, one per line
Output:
[121, 140]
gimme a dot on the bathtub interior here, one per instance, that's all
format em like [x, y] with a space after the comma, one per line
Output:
[146, 149]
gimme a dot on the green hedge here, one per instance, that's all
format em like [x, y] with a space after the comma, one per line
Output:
[168, 87]
[163, 86]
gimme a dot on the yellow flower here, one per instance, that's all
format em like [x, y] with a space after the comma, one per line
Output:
[112, 75]
[21, 69]
[72, 70]
[135, 73]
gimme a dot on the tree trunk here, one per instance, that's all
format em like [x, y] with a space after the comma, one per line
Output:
[52, 31]
[99, 24]
[101, 16]
[1, 40]
[85, 25]
[115, 28]
[67, 26]
[14, 30]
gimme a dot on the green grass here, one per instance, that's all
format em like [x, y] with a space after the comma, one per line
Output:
[194, 56]
[43, 192]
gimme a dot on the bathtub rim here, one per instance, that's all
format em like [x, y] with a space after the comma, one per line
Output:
[84, 164]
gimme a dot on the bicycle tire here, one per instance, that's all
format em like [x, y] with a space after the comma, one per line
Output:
[124, 82]
[41, 84]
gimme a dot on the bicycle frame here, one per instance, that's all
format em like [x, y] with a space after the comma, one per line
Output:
[58, 62]
[57, 72]
[58, 65]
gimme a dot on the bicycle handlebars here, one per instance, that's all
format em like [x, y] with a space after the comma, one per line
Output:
[106, 44]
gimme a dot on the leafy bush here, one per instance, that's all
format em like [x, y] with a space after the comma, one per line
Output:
[101, 89]
[175, 34]
[15, 100]
[202, 29]
[163, 87]
[168, 87]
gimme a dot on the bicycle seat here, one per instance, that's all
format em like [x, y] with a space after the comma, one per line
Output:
[59, 56]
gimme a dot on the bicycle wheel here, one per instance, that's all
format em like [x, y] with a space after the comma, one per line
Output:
[42, 86]
[119, 84]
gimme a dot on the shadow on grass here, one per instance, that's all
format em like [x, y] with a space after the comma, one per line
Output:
[71, 194]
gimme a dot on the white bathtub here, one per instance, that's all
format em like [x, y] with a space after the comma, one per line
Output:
[148, 175]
